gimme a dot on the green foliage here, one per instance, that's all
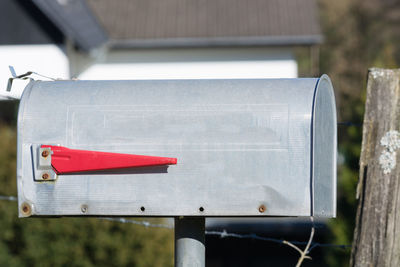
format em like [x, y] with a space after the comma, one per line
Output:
[71, 241]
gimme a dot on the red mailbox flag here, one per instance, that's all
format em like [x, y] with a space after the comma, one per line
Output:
[65, 160]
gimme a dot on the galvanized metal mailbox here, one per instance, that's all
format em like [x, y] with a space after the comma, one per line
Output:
[263, 147]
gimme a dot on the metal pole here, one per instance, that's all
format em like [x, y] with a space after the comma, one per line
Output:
[190, 249]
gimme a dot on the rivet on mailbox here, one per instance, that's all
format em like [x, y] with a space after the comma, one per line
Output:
[262, 147]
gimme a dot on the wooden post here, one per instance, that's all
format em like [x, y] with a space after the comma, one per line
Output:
[377, 234]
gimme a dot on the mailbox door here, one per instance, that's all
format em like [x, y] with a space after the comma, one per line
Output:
[324, 150]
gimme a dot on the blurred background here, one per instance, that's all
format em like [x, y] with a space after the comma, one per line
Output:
[190, 39]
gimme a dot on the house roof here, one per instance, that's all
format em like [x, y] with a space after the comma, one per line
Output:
[160, 23]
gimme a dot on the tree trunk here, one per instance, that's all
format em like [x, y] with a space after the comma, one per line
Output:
[377, 233]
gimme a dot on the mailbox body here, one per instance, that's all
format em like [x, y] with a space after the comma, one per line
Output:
[264, 147]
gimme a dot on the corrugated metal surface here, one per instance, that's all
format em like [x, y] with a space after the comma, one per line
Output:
[244, 147]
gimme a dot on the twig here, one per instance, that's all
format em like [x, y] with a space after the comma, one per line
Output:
[306, 249]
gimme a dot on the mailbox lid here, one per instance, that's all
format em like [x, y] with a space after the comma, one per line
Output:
[240, 144]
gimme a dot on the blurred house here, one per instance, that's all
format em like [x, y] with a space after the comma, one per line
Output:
[28, 41]
[169, 39]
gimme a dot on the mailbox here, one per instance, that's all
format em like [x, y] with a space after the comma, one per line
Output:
[260, 147]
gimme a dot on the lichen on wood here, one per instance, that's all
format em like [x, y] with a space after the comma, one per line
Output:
[377, 233]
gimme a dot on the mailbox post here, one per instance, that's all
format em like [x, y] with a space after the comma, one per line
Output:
[190, 248]
[187, 149]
